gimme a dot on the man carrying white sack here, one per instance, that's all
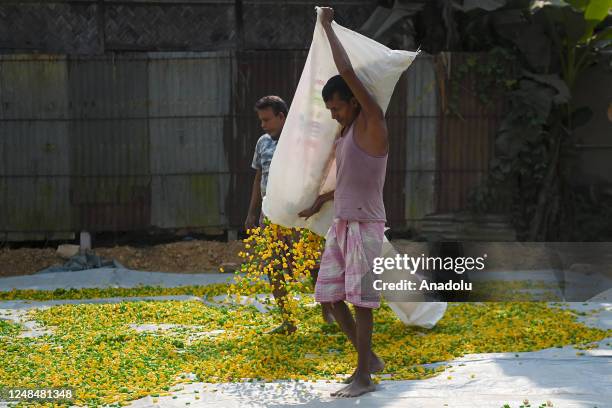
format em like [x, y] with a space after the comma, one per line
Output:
[356, 235]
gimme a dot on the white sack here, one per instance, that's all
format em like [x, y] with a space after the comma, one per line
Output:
[414, 310]
[303, 156]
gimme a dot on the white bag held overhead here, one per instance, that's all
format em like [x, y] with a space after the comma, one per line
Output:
[303, 165]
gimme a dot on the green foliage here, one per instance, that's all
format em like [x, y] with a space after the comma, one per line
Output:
[494, 73]
[538, 53]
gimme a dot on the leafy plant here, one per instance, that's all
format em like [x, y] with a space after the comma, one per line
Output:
[553, 42]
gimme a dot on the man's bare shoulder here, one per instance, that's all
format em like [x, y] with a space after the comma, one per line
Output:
[372, 136]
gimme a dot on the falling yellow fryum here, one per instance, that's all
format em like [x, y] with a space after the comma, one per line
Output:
[269, 255]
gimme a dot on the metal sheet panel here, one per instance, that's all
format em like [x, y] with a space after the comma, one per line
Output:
[256, 74]
[29, 148]
[111, 177]
[420, 176]
[111, 203]
[466, 140]
[423, 88]
[193, 145]
[420, 197]
[38, 204]
[189, 110]
[33, 87]
[466, 147]
[185, 201]
[394, 194]
[34, 172]
[421, 146]
[104, 88]
[109, 147]
[189, 84]
[190, 173]
[421, 115]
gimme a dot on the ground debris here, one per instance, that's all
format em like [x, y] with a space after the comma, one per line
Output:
[197, 256]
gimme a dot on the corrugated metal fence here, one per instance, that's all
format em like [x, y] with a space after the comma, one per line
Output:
[165, 140]
[115, 144]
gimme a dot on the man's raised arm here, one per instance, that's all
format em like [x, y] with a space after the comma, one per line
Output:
[373, 113]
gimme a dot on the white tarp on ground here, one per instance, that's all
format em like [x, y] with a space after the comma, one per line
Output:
[482, 380]
[478, 380]
[108, 278]
[490, 380]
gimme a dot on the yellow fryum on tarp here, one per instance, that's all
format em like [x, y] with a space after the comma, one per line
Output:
[303, 166]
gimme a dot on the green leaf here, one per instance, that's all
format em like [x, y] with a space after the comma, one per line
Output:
[595, 13]
[604, 35]
[597, 10]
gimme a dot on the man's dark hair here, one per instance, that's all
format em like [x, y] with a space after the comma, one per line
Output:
[337, 84]
[274, 102]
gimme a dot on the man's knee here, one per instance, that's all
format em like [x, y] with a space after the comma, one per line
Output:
[363, 311]
[331, 305]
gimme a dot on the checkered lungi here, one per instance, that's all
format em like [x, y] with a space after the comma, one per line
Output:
[346, 265]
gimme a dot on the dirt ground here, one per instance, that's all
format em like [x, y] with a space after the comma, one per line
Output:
[201, 256]
[187, 257]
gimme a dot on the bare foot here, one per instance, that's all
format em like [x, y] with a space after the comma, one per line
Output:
[284, 328]
[376, 366]
[359, 386]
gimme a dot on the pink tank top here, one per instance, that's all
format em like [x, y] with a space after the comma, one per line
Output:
[360, 178]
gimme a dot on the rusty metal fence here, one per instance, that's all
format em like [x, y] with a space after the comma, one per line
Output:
[150, 141]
